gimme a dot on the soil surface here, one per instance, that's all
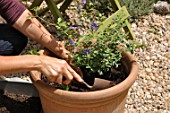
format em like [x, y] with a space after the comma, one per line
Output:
[109, 79]
[14, 103]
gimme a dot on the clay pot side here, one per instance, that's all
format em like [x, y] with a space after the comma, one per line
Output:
[110, 100]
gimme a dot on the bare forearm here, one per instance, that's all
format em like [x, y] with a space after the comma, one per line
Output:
[10, 64]
[33, 29]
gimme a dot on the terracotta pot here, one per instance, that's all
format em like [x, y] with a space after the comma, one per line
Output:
[110, 100]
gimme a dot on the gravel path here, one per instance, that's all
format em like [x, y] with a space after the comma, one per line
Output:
[151, 91]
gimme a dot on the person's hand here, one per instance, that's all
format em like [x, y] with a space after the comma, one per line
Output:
[63, 52]
[54, 69]
[65, 55]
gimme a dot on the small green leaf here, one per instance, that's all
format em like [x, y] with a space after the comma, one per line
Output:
[30, 16]
[59, 20]
[33, 52]
[66, 87]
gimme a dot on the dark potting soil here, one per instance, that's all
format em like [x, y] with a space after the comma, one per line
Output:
[115, 75]
[15, 103]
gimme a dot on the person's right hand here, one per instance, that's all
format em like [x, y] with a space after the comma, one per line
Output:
[54, 69]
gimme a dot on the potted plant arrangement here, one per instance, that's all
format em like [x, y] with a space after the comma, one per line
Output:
[105, 52]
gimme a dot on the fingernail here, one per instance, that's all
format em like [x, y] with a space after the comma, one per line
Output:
[81, 80]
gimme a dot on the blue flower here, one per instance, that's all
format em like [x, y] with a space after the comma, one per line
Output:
[83, 2]
[73, 27]
[114, 20]
[104, 56]
[71, 42]
[79, 8]
[87, 51]
[94, 26]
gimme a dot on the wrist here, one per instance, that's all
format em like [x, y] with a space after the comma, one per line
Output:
[60, 50]
[36, 63]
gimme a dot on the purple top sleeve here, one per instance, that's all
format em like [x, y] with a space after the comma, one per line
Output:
[11, 10]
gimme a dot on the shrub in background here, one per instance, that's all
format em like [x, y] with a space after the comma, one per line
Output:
[138, 8]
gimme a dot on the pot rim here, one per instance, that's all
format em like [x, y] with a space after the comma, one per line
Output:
[115, 90]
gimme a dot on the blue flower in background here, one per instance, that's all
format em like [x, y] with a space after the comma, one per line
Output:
[94, 26]
[71, 42]
[73, 27]
[87, 51]
[104, 56]
[114, 20]
[79, 8]
[83, 2]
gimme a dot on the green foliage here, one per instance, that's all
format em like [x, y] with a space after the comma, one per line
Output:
[98, 5]
[64, 30]
[33, 52]
[66, 87]
[98, 53]
[95, 52]
[138, 8]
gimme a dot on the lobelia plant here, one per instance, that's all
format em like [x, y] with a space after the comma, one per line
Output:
[96, 45]
[96, 52]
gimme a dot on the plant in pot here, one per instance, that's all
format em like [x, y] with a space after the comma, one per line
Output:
[104, 52]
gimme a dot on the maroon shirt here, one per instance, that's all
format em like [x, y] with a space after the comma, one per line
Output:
[11, 10]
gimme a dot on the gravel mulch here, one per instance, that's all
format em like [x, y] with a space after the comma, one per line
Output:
[151, 91]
